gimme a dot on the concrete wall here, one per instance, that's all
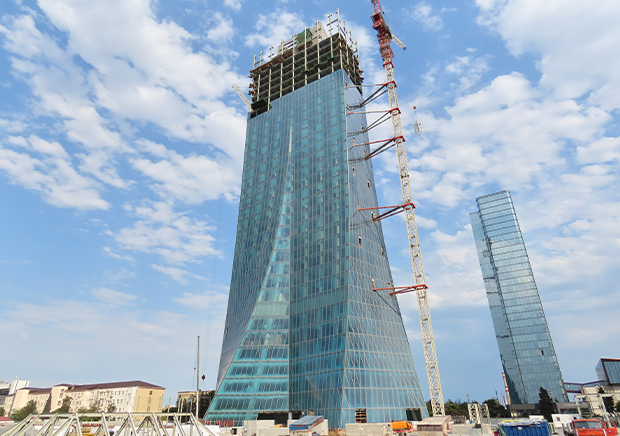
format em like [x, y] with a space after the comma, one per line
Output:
[280, 431]
[358, 429]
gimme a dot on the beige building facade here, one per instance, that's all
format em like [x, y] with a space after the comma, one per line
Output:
[131, 396]
[593, 401]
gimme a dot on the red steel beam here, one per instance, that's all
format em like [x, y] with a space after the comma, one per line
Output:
[393, 210]
[402, 289]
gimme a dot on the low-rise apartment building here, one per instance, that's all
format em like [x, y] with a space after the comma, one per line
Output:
[130, 396]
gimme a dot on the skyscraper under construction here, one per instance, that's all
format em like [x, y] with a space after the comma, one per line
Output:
[305, 332]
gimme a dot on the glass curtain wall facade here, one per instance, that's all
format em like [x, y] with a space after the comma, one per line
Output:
[523, 337]
[304, 329]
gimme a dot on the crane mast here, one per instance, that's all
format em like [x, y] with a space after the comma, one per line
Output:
[385, 36]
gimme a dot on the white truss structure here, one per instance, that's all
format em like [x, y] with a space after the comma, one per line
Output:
[243, 97]
[474, 413]
[110, 424]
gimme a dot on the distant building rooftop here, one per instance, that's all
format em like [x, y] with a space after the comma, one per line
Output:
[609, 370]
[115, 385]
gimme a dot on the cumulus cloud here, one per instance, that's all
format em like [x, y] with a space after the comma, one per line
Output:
[423, 14]
[599, 151]
[468, 69]
[12, 126]
[45, 167]
[102, 91]
[172, 235]
[507, 133]
[223, 30]
[235, 5]
[574, 52]
[273, 28]
[189, 179]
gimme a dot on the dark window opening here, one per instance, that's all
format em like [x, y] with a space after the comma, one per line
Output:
[360, 416]
[414, 414]
[360, 240]
[280, 418]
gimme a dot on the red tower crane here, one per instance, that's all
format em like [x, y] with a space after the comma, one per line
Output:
[385, 37]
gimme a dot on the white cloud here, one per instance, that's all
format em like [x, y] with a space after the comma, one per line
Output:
[223, 31]
[172, 235]
[191, 179]
[235, 5]
[209, 301]
[576, 51]
[60, 87]
[423, 14]
[103, 91]
[275, 27]
[51, 173]
[120, 275]
[468, 69]
[507, 133]
[600, 151]
[114, 298]
[177, 274]
[12, 126]
[108, 251]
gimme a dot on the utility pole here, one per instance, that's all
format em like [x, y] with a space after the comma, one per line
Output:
[198, 380]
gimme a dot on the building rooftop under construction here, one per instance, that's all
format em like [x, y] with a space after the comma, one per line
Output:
[306, 57]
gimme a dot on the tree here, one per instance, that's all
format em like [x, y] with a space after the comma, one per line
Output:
[93, 408]
[545, 404]
[618, 407]
[65, 406]
[24, 412]
[48, 405]
[111, 408]
[1, 411]
[496, 410]
[429, 408]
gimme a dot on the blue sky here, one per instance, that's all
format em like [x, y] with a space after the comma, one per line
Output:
[121, 148]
